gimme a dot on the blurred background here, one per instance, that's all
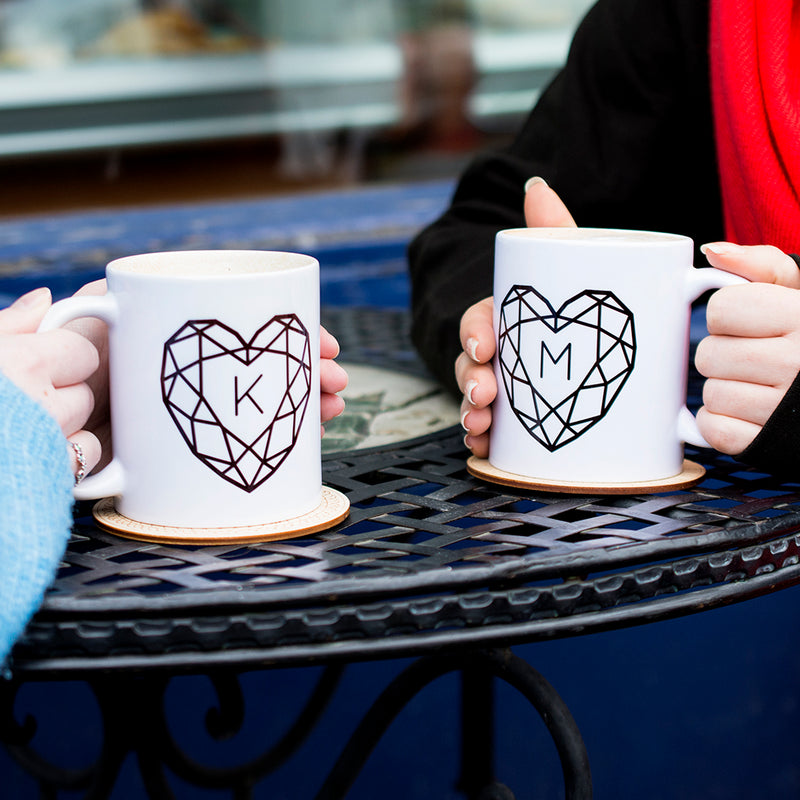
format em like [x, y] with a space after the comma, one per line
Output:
[120, 102]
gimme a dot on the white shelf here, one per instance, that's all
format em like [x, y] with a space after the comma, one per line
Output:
[102, 81]
[119, 103]
[496, 52]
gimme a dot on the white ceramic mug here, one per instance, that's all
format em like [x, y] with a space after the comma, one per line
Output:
[214, 380]
[592, 331]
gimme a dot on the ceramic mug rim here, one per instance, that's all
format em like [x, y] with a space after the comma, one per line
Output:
[209, 265]
[594, 237]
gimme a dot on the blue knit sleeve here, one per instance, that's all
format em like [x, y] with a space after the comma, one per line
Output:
[35, 508]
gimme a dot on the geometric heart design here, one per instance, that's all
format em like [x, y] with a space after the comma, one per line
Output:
[238, 405]
[562, 369]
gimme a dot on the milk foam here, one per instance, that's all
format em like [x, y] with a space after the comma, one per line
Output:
[210, 263]
[593, 235]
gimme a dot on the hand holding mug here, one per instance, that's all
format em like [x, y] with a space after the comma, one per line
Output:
[332, 378]
[752, 354]
[53, 369]
[474, 373]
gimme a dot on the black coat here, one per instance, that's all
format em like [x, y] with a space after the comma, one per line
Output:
[623, 134]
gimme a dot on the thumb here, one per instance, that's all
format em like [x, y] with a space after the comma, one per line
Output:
[544, 208]
[26, 313]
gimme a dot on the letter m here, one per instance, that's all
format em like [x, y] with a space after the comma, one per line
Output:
[566, 351]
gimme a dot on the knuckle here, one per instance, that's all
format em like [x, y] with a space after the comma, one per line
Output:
[774, 259]
[791, 353]
[29, 352]
[781, 363]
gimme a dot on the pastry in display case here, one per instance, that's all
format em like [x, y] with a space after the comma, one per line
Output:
[164, 32]
[42, 33]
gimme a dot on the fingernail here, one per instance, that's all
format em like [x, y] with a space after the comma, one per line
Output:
[719, 248]
[470, 388]
[533, 181]
[466, 443]
[472, 348]
[464, 420]
[34, 298]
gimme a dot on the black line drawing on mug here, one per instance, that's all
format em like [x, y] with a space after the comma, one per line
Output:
[220, 392]
[562, 369]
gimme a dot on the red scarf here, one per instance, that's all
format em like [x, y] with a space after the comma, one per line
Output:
[755, 85]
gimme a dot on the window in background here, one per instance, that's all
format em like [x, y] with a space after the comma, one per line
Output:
[297, 92]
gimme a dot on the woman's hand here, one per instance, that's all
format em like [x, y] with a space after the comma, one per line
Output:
[543, 209]
[332, 378]
[53, 369]
[752, 353]
[96, 331]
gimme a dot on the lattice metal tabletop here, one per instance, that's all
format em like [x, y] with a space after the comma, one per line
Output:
[430, 556]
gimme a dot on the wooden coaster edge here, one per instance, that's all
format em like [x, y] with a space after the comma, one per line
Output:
[333, 509]
[691, 474]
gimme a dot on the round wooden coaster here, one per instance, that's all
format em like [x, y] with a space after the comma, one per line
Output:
[691, 474]
[332, 510]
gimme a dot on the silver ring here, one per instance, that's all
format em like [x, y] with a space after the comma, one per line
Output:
[81, 473]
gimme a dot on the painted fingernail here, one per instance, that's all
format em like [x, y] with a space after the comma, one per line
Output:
[466, 443]
[533, 181]
[470, 388]
[472, 348]
[718, 248]
[33, 298]
[464, 420]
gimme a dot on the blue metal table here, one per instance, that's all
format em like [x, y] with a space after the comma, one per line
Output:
[432, 562]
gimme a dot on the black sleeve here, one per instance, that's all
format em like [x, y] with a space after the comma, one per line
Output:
[776, 449]
[623, 134]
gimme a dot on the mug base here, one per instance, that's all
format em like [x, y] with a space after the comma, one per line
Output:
[690, 474]
[334, 508]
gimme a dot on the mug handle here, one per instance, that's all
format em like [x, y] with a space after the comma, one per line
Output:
[698, 282]
[109, 481]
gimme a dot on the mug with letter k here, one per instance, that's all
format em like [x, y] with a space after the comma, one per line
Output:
[214, 380]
